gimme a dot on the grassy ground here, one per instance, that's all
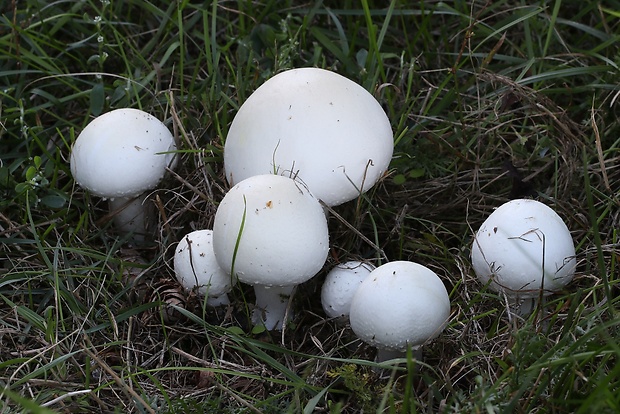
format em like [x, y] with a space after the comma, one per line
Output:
[488, 101]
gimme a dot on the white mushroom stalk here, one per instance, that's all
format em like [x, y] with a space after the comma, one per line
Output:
[131, 214]
[400, 304]
[272, 308]
[270, 232]
[195, 266]
[119, 156]
[315, 125]
[525, 251]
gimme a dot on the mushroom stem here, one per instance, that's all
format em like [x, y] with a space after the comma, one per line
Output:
[522, 307]
[131, 215]
[221, 300]
[271, 306]
[388, 354]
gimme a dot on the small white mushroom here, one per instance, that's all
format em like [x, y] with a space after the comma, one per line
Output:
[195, 266]
[270, 232]
[119, 156]
[400, 304]
[524, 250]
[340, 285]
[313, 124]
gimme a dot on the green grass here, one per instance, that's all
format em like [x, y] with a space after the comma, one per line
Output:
[470, 87]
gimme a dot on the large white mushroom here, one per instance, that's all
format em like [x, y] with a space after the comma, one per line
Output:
[313, 124]
[270, 232]
[340, 285]
[400, 304]
[119, 156]
[524, 250]
[195, 266]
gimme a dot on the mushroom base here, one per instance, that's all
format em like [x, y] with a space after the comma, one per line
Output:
[131, 215]
[272, 310]
[221, 300]
[522, 307]
[388, 354]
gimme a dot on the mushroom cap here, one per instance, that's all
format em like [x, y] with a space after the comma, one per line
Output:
[273, 229]
[118, 154]
[195, 265]
[340, 285]
[398, 304]
[508, 250]
[317, 125]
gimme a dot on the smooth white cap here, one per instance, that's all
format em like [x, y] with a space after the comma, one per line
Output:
[195, 265]
[273, 229]
[508, 248]
[340, 285]
[314, 124]
[118, 153]
[398, 304]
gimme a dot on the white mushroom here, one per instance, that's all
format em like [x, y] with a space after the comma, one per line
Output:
[195, 266]
[119, 156]
[400, 304]
[270, 232]
[340, 285]
[313, 124]
[524, 250]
